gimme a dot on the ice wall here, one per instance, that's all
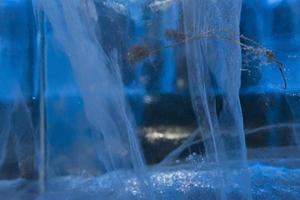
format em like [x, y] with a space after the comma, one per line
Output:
[211, 69]
[274, 24]
[97, 75]
[17, 131]
[214, 65]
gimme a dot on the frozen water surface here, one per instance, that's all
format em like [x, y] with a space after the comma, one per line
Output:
[267, 182]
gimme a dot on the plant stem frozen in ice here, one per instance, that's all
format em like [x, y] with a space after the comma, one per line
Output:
[142, 51]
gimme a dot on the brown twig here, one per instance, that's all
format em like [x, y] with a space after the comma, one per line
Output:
[143, 51]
